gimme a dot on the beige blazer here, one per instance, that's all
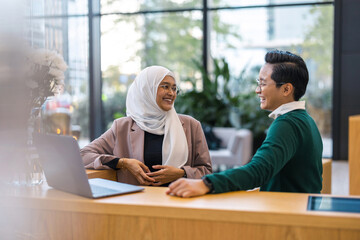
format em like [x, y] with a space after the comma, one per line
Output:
[126, 140]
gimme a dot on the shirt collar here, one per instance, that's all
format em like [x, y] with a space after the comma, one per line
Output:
[287, 107]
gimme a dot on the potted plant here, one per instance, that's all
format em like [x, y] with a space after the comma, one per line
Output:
[225, 101]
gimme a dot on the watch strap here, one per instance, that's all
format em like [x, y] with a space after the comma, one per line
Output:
[208, 184]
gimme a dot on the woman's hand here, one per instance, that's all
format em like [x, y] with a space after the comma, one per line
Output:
[166, 174]
[139, 170]
[187, 188]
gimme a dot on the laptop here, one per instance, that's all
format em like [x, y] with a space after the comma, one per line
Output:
[64, 170]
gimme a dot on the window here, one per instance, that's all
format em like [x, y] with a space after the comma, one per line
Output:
[131, 43]
[172, 33]
[305, 30]
[53, 29]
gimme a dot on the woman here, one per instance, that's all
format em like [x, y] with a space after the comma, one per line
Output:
[153, 145]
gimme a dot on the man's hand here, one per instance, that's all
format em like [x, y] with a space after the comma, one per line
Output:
[139, 170]
[187, 188]
[166, 174]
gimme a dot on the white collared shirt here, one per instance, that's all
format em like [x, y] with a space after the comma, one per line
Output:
[287, 107]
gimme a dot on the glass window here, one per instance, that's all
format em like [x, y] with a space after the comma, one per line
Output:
[305, 30]
[131, 43]
[78, 70]
[125, 6]
[40, 8]
[136, 34]
[69, 38]
[244, 3]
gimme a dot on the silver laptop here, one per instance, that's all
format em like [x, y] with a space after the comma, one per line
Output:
[64, 170]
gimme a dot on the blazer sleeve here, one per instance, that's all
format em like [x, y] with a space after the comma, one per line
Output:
[200, 163]
[100, 151]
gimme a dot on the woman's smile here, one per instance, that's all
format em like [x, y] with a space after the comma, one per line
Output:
[165, 94]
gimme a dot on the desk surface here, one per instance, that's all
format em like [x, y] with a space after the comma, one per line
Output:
[246, 207]
[45, 213]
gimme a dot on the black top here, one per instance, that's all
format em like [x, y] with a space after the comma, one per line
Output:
[152, 152]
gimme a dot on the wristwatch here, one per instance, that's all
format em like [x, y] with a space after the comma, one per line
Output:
[208, 184]
[185, 175]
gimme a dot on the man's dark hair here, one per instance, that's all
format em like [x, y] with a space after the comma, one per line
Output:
[289, 68]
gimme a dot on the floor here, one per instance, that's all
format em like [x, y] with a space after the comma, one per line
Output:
[340, 177]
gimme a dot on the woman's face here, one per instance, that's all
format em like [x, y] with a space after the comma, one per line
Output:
[166, 93]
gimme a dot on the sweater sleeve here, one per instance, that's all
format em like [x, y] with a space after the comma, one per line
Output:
[277, 149]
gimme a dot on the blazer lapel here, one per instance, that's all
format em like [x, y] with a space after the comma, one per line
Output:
[137, 142]
[183, 124]
[187, 139]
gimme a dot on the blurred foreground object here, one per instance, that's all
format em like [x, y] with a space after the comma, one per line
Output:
[13, 96]
[15, 223]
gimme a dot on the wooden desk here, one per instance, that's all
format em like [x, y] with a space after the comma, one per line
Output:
[326, 184]
[354, 155]
[105, 174]
[326, 189]
[45, 213]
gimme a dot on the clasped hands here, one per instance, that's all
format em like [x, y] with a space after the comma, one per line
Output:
[141, 172]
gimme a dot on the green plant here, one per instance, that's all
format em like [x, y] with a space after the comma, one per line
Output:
[226, 101]
[209, 105]
[253, 117]
[114, 107]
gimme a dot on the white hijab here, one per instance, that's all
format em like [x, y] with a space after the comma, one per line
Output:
[141, 106]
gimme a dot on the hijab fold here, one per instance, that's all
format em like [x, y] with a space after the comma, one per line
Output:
[141, 106]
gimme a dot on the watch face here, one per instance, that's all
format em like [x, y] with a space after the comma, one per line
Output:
[208, 184]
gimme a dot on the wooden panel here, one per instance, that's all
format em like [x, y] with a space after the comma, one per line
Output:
[44, 213]
[105, 174]
[326, 185]
[354, 154]
[67, 225]
[286, 209]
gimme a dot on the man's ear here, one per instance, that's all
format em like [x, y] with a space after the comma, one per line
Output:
[288, 89]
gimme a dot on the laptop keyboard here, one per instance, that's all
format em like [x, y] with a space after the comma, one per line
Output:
[98, 190]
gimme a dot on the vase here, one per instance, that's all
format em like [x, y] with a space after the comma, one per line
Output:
[35, 171]
[32, 172]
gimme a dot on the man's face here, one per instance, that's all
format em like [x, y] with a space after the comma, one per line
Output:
[271, 97]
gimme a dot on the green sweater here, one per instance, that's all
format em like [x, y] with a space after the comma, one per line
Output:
[289, 160]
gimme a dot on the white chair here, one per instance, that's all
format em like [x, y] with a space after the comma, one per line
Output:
[236, 147]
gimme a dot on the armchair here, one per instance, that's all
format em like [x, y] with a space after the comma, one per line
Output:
[236, 147]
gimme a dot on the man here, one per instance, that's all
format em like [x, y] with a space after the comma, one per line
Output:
[290, 158]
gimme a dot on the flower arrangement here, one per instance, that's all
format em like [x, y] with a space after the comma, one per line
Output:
[44, 78]
[45, 75]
